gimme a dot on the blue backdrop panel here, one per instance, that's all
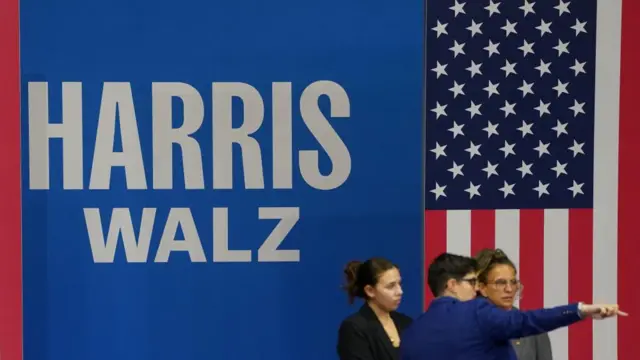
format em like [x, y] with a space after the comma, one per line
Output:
[75, 308]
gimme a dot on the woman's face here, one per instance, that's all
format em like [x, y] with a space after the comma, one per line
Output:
[501, 287]
[387, 293]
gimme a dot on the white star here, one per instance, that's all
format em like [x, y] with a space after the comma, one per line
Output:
[474, 69]
[576, 188]
[456, 170]
[457, 129]
[508, 149]
[440, 29]
[507, 189]
[473, 190]
[439, 191]
[562, 47]
[509, 28]
[457, 89]
[543, 68]
[492, 8]
[525, 129]
[509, 68]
[439, 150]
[559, 169]
[508, 108]
[542, 148]
[458, 49]
[474, 28]
[561, 88]
[492, 48]
[492, 89]
[579, 27]
[490, 169]
[440, 69]
[543, 108]
[527, 48]
[560, 128]
[541, 189]
[473, 149]
[474, 109]
[439, 110]
[458, 8]
[563, 7]
[491, 129]
[527, 8]
[525, 169]
[577, 148]
[578, 67]
[544, 27]
[526, 88]
[577, 108]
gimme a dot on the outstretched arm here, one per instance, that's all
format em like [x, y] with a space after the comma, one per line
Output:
[505, 325]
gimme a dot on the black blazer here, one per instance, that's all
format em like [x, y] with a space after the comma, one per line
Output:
[362, 337]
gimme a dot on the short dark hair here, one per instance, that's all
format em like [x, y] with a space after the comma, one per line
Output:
[488, 259]
[448, 266]
[360, 274]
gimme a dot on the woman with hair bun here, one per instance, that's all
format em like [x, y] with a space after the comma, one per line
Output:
[373, 333]
[498, 282]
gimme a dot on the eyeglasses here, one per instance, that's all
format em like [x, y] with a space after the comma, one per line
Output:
[471, 281]
[501, 284]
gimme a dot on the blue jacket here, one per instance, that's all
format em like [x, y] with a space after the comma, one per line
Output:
[476, 330]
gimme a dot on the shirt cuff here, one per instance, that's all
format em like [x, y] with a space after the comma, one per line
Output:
[580, 306]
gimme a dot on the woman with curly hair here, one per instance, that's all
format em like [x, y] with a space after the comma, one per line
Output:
[498, 282]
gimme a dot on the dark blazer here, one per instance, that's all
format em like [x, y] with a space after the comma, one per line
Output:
[461, 330]
[362, 337]
[537, 347]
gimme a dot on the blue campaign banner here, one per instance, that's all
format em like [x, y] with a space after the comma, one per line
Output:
[196, 174]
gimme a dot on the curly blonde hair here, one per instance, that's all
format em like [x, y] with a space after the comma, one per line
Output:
[489, 258]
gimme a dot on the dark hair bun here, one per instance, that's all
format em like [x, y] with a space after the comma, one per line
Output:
[351, 270]
[351, 275]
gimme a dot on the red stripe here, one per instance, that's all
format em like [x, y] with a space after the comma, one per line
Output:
[580, 280]
[483, 230]
[435, 243]
[532, 258]
[10, 242]
[629, 178]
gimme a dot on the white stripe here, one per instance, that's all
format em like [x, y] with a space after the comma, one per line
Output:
[556, 273]
[605, 192]
[508, 236]
[459, 232]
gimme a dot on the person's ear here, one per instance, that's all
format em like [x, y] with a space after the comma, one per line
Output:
[451, 285]
[369, 291]
[482, 289]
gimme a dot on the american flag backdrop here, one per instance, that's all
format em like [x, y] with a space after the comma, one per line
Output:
[530, 146]
[10, 207]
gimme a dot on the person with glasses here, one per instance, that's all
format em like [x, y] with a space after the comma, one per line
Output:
[457, 325]
[498, 282]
